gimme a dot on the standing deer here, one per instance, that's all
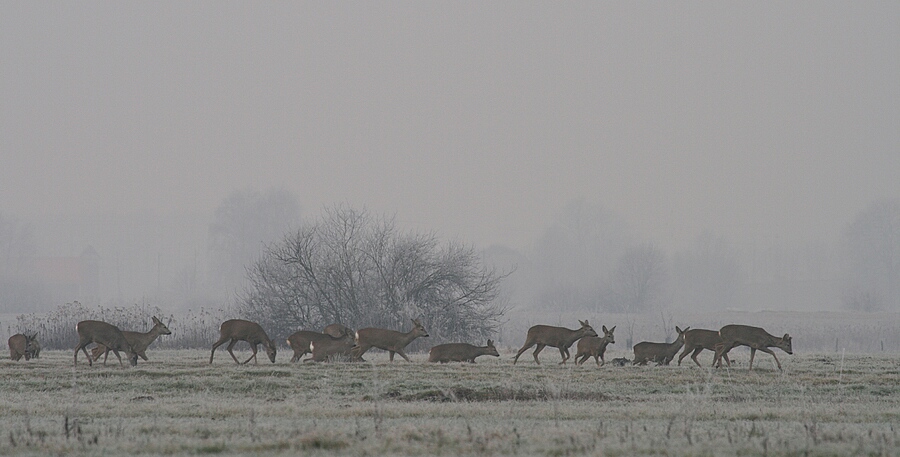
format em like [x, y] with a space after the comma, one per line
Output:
[138, 341]
[300, 341]
[595, 346]
[460, 352]
[324, 349]
[21, 345]
[754, 337]
[241, 330]
[388, 340]
[35, 347]
[697, 340]
[106, 334]
[661, 353]
[558, 337]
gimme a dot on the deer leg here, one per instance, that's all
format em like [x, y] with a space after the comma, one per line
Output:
[116, 352]
[214, 346]
[252, 356]
[752, 353]
[82, 348]
[143, 355]
[105, 355]
[683, 355]
[229, 348]
[524, 348]
[402, 354]
[357, 351]
[391, 356]
[769, 351]
[694, 354]
[540, 347]
[564, 353]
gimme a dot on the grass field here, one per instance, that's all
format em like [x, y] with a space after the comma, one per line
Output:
[179, 404]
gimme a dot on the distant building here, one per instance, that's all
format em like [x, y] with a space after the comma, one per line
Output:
[69, 278]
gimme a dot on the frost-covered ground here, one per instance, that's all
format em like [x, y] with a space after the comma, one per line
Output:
[179, 404]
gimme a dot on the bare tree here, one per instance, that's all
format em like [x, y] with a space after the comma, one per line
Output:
[361, 271]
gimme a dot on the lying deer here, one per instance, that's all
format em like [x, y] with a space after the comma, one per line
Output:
[106, 334]
[595, 346]
[754, 337]
[460, 352]
[241, 330]
[558, 337]
[661, 353]
[697, 340]
[388, 340]
[21, 345]
[138, 341]
[300, 341]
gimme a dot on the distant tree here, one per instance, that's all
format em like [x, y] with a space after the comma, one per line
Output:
[573, 257]
[640, 279]
[242, 226]
[708, 276]
[361, 271]
[871, 258]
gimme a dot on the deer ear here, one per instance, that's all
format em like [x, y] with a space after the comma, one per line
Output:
[612, 329]
[156, 320]
[605, 330]
[490, 343]
[786, 337]
[678, 329]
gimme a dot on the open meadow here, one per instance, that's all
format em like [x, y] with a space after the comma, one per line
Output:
[179, 404]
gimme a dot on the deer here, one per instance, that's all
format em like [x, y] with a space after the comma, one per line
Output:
[756, 338]
[22, 345]
[106, 334]
[595, 346]
[697, 340]
[241, 330]
[460, 352]
[35, 347]
[300, 340]
[661, 353]
[388, 340]
[558, 337]
[138, 341]
[325, 349]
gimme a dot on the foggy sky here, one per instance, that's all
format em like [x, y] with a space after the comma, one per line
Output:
[479, 120]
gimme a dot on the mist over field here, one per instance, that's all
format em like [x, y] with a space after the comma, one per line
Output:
[604, 158]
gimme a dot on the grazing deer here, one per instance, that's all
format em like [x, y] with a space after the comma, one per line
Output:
[106, 334]
[324, 349]
[388, 340]
[138, 341]
[300, 341]
[754, 337]
[241, 330]
[661, 353]
[697, 340]
[21, 345]
[557, 337]
[460, 352]
[595, 346]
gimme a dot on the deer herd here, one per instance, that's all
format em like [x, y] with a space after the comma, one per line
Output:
[337, 341]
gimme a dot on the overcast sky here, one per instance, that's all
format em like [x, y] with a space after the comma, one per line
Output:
[479, 120]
